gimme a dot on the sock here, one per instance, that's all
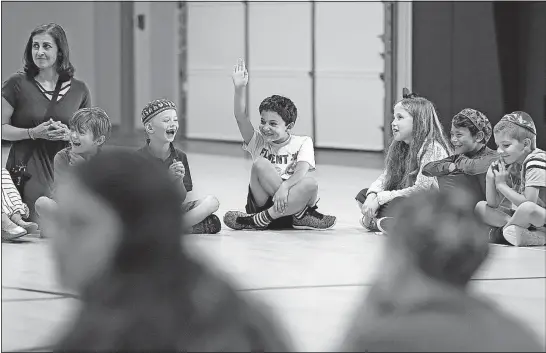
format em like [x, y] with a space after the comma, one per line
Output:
[262, 219]
[301, 213]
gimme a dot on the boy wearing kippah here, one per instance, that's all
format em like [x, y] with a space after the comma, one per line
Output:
[470, 132]
[160, 121]
[519, 177]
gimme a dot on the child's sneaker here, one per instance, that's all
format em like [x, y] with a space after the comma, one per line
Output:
[10, 230]
[385, 225]
[313, 220]
[519, 236]
[30, 227]
[496, 237]
[369, 224]
[239, 220]
[210, 225]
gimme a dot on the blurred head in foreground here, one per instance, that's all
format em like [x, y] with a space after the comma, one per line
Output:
[117, 243]
[419, 302]
[437, 235]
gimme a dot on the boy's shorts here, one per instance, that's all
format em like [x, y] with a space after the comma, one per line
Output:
[284, 222]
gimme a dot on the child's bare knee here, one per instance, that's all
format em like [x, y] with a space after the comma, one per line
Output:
[212, 203]
[480, 208]
[261, 165]
[527, 207]
[43, 205]
[310, 184]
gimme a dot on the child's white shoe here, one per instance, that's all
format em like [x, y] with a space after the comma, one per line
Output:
[519, 236]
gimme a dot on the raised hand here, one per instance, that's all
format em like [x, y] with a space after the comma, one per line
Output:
[240, 74]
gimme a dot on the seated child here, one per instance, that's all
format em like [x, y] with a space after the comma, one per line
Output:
[14, 211]
[282, 193]
[470, 132]
[90, 128]
[418, 139]
[160, 121]
[515, 204]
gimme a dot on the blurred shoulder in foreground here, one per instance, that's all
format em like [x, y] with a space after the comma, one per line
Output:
[420, 300]
[117, 243]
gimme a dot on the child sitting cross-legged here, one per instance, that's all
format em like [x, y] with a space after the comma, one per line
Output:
[516, 184]
[160, 121]
[90, 128]
[418, 138]
[282, 193]
[467, 167]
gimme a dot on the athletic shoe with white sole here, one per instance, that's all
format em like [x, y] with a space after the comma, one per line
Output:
[314, 220]
[519, 236]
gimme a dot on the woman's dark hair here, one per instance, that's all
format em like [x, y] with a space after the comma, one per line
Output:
[153, 296]
[65, 69]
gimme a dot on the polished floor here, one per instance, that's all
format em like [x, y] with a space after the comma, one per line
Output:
[313, 280]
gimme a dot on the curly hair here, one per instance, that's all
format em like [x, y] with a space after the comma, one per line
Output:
[402, 164]
[282, 106]
[65, 69]
[461, 121]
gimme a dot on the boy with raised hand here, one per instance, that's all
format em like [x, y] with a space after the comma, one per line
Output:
[160, 121]
[282, 193]
[516, 184]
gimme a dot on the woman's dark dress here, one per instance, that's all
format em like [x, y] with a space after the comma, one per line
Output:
[29, 108]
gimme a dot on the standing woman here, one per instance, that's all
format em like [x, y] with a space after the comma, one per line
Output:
[36, 107]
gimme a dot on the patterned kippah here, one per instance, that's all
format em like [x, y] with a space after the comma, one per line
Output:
[155, 107]
[521, 119]
[479, 120]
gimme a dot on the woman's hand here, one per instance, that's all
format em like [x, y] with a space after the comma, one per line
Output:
[41, 131]
[58, 131]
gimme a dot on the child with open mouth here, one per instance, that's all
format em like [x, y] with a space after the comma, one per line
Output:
[160, 121]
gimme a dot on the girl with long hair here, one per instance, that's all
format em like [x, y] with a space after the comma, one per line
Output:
[418, 138]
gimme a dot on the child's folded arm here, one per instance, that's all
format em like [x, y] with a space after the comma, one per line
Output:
[492, 196]
[473, 166]
[438, 168]
[302, 167]
[239, 109]
[511, 194]
[422, 182]
[377, 185]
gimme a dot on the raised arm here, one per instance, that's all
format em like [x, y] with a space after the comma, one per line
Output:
[240, 80]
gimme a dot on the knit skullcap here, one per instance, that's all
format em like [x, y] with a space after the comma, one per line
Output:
[155, 107]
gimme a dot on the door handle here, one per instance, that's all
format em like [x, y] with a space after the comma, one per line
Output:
[140, 22]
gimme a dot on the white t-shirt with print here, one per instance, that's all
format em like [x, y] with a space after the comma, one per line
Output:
[284, 156]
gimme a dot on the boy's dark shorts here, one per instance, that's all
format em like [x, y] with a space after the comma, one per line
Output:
[252, 207]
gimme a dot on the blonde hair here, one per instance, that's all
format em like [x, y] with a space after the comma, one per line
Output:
[516, 132]
[402, 161]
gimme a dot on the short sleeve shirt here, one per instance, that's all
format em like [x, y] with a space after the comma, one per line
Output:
[284, 156]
